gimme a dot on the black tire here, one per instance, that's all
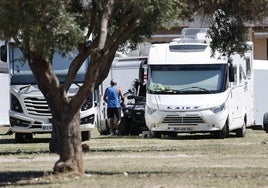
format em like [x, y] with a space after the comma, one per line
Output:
[107, 130]
[28, 136]
[172, 134]
[85, 135]
[222, 133]
[22, 137]
[123, 128]
[242, 131]
[265, 122]
[19, 137]
[134, 129]
[155, 134]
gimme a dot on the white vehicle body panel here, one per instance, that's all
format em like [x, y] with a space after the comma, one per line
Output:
[3, 67]
[4, 99]
[260, 90]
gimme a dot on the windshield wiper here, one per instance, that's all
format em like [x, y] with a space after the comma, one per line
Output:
[172, 91]
[166, 91]
[196, 88]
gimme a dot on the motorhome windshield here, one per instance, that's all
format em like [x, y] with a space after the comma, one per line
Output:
[187, 79]
[21, 72]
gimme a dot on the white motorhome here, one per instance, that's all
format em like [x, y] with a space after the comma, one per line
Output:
[188, 91]
[29, 112]
[125, 70]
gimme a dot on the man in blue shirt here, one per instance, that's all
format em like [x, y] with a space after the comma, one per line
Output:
[114, 98]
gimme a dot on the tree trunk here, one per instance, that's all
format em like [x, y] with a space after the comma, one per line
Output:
[66, 135]
[66, 141]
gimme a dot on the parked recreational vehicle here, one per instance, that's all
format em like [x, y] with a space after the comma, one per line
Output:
[29, 112]
[125, 70]
[189, 91]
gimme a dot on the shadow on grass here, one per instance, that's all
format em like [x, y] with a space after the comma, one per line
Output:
[196, 137]
[109, 173]
[102, 137]
[22, 178]
[20, 148]
[17, 152]
[183, 136]
[26, 141]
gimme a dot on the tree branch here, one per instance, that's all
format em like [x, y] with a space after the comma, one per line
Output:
[104, 23]
[75, 66]
[92, 19]
[129, 24]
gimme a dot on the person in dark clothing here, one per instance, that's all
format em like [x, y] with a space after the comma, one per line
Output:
[114, 99]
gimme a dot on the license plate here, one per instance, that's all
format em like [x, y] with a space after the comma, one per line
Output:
[186, 129]
[47, 127]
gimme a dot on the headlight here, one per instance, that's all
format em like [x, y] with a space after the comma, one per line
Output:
[150, 110]
[88, 119]
[127, 111]
[15, 104]
[88, 104]
[218, 109]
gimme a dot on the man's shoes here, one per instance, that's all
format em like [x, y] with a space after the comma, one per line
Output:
[117, 132]
[111, 133]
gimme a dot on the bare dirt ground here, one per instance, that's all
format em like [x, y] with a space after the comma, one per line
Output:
[185, 161]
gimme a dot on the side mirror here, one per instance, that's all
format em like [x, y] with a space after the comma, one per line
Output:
[231, 74]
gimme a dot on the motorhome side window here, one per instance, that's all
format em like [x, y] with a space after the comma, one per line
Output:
[248, 67]
[19, 64]
[3, 52]
[242, 74]
[235, 75]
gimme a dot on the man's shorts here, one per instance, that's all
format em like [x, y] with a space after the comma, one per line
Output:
[111, 112]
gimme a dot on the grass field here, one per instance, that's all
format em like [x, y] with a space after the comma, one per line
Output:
[185, 161]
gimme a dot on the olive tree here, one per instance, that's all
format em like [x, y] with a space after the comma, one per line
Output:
[39, 27]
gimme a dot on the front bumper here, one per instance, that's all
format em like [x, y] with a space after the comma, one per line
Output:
[20, 123]
[186, 122]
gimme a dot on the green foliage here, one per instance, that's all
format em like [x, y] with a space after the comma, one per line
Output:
[228, 35]
[247, 10]
[44, 25]
[40, 25]
[228, 31]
